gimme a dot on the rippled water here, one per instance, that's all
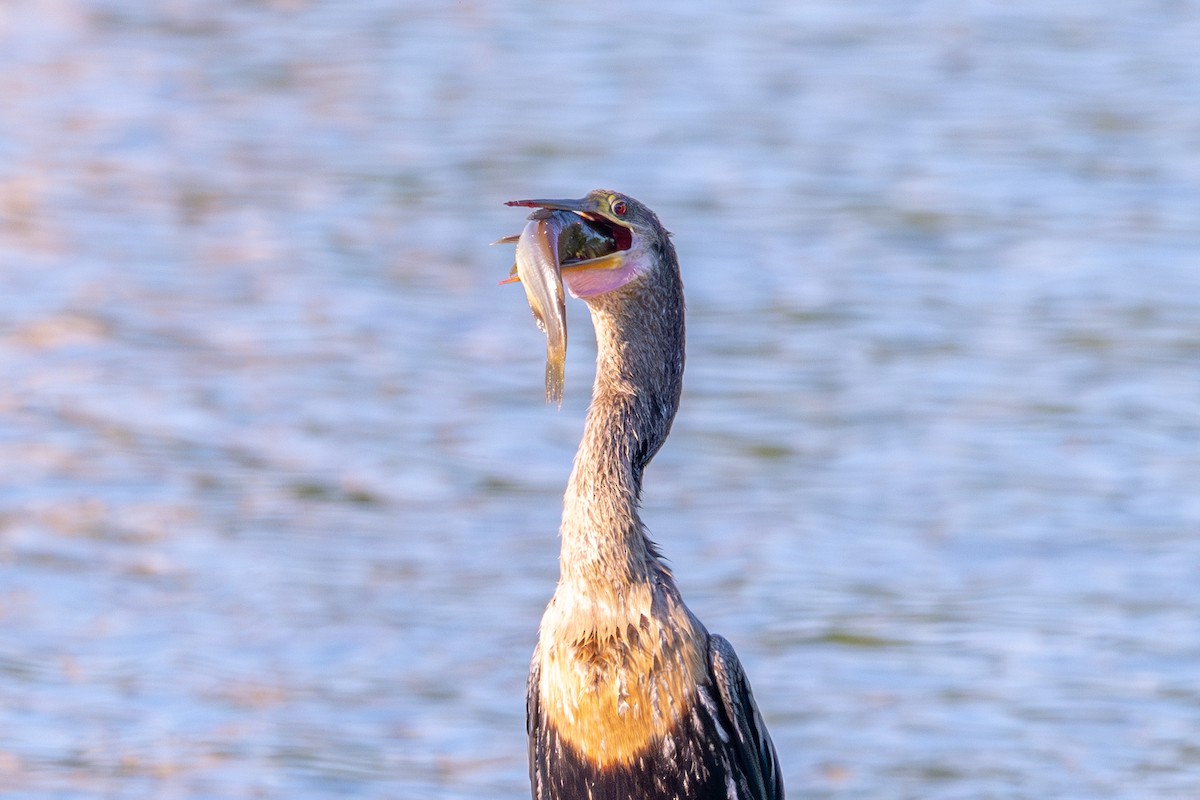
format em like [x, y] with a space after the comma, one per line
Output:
[279, 493]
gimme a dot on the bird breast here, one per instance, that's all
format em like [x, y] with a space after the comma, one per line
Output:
[618, 670]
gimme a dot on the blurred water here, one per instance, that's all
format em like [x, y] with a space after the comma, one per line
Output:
[279, 493]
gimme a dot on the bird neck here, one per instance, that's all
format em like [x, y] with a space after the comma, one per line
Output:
[639, 377]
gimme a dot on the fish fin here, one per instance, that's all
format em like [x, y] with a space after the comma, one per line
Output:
[513, 277]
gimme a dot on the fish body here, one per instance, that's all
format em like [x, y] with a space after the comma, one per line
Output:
[580, 240]
[540, 272]
[550, 239]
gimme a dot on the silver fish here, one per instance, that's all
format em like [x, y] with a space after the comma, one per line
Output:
[580, 240]
[541, 274]
[551, 239]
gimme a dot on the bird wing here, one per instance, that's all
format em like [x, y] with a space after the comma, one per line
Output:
[533, 724]
[750, 740]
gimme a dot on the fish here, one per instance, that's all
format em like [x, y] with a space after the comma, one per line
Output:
[540, 273]
[580, 240]
[549, 240]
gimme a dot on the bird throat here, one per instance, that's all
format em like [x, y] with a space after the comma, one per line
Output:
[619, 653]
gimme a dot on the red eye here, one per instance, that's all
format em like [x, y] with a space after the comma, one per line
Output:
[619, 208]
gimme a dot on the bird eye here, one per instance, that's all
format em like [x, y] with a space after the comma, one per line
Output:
[619, 208]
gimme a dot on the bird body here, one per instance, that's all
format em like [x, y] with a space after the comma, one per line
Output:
[629, 695]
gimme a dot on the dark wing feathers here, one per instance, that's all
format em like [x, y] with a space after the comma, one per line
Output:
[750, 740]
[533, 722]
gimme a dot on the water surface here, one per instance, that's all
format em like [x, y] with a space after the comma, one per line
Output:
[279, 493]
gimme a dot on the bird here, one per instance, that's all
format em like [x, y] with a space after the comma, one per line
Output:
[629, 695]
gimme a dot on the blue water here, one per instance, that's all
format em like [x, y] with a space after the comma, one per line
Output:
[278, 491]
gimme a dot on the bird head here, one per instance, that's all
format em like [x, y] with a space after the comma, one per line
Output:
[636, 232]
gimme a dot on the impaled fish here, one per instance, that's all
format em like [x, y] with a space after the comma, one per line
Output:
[549, 240]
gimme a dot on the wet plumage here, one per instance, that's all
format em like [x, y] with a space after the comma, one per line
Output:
[629, 696]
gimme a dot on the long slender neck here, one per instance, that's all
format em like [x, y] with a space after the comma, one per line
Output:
[639, 376]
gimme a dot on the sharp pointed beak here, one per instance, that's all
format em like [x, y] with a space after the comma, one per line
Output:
[578, 206]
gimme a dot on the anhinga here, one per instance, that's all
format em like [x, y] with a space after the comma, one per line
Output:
[629, 695]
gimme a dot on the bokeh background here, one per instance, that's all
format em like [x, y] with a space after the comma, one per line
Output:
[278, 490]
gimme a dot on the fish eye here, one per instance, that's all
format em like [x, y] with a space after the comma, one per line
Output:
[619, 208]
